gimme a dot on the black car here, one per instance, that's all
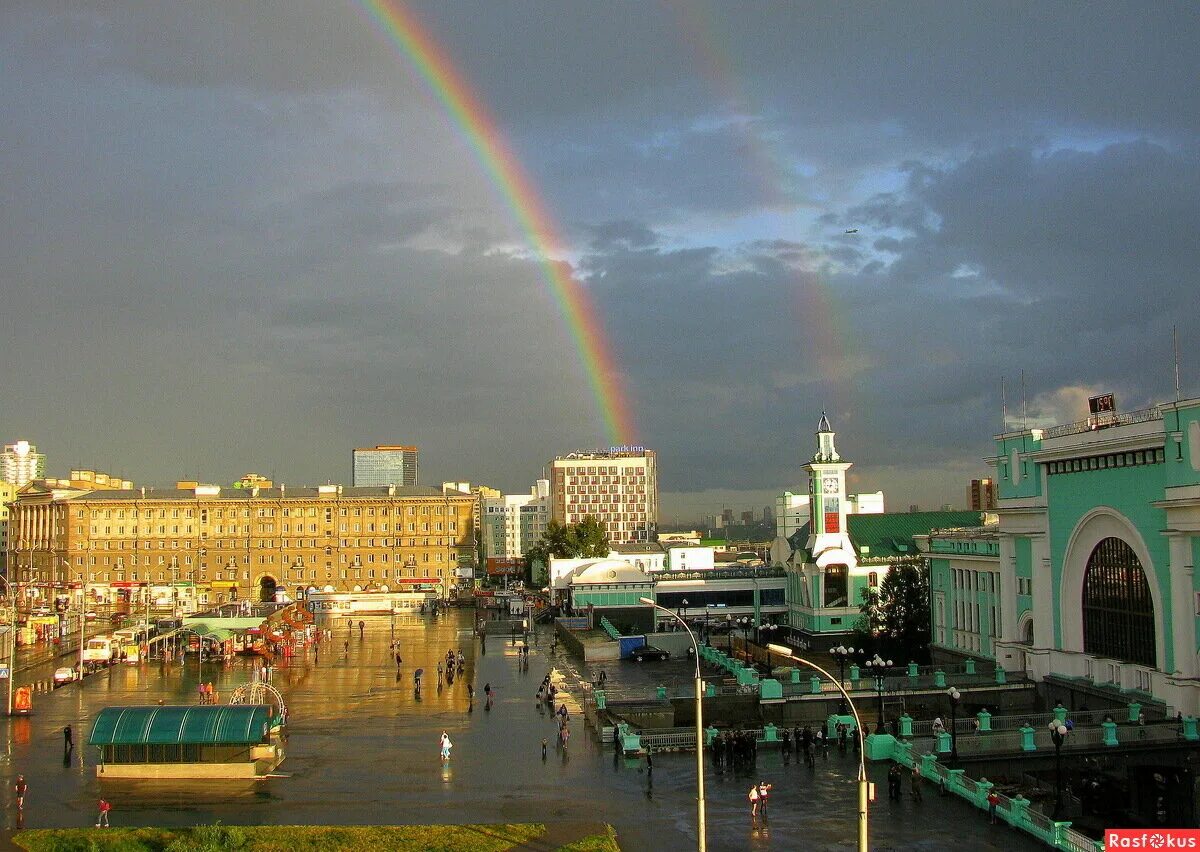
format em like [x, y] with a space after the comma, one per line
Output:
[648, 652]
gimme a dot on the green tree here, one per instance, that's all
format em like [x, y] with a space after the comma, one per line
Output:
[895, 618]
[586, 539]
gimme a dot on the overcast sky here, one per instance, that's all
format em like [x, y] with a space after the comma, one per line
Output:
[245, 237]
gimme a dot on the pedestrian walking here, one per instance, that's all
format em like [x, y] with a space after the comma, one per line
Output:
[20, 788]
[753, 797]
[544, 744]
[102, 817]
[68, 739]
[446, 745]
[764, 793]
[993, 800]
[915, 782]
[361, 627]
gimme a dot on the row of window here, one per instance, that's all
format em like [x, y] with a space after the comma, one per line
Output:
[1107, 461]
[605, 470]
[242, 544]
[267, 512]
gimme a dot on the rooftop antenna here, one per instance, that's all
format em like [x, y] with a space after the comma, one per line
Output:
[1024, 418]
[1175, 343]
[1024, 410]
[1003, 406]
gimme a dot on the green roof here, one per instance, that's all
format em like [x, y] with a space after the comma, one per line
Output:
[890, 536]
[195, 724]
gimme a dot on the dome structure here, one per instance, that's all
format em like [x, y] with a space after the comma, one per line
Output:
[607, 571]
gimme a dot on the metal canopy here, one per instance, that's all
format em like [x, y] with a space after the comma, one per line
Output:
[199, 724]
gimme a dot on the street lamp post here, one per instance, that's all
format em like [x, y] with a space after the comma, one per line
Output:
[879, 667]
[743, 624]
[863, 784]
[954, 695]
[769, 630]
[841, 653]
[701, 841]
[1058, 735]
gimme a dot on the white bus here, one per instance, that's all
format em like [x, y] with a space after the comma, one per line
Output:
[99, 650]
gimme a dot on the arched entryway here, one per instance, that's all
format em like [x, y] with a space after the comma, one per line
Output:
[266, 588]
[1118, 610]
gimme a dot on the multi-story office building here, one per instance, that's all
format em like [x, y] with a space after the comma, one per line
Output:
[1088, 583]
[21, 463]
[385, 465]
[981, 495]
[618, 486]
[512, 523]
[241, 543]
[8, 493]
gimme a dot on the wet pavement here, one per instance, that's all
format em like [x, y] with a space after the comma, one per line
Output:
[363, 749]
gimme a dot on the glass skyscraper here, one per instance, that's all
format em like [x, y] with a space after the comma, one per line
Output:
[385, 465]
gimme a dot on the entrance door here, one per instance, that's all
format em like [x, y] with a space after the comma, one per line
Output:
[266, 589]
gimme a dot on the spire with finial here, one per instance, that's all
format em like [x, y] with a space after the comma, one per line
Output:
[826, 452]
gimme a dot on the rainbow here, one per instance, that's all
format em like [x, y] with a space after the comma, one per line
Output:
[826, 338]
[482, 135]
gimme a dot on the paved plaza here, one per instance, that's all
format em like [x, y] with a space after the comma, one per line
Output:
[363, 749]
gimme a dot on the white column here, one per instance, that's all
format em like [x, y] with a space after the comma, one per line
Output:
[1008, 590]
[1043, 594]
[1183, 619]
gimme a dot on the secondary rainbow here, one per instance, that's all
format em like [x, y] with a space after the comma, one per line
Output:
[483, 136]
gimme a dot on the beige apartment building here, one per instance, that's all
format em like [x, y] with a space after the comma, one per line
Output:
[238, 543]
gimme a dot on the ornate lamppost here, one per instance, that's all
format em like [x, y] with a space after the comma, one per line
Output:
[1058, 735]
[954, 695]
[841, 653]
[766, 632]
[878, 667]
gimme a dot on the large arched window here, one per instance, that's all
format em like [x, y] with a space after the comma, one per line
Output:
[1118, 612]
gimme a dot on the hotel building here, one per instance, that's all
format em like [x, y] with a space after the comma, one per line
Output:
[618, 486]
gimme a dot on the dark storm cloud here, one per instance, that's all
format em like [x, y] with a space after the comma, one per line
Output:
[255, 221]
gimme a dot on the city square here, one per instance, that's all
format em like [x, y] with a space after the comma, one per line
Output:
[362, 749]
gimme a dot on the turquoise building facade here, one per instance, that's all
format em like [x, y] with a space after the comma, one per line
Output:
[1088, 578]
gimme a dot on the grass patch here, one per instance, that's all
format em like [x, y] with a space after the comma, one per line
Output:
[285, 838]
[606, 842]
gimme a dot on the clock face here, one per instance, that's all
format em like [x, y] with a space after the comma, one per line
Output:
[829, 485]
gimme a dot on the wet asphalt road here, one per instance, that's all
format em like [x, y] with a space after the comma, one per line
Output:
[363, 749]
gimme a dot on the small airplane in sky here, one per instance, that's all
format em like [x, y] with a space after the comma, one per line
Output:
[852, 231]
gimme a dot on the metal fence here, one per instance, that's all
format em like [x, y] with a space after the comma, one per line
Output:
[966, 724]
[1057, 835]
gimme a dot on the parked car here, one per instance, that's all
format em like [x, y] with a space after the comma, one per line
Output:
[648, 652]
[66, 674]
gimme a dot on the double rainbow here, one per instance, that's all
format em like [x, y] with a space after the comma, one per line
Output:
[482, 135]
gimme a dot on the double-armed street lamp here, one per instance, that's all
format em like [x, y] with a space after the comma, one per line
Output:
[701, 842]
[863, 784]
[1058, 735]
[766, 632]
[878, 668]
[954, 695]
[841, 653]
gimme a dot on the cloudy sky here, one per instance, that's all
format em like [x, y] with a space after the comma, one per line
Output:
[248, 237]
